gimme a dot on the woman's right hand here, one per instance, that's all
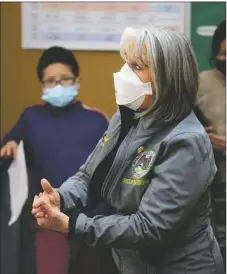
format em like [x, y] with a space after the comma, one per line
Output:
[49, 197]
[9, 149]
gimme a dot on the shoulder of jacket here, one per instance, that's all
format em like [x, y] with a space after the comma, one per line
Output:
[191, 133]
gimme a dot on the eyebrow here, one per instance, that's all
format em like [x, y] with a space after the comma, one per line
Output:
[62, 75]
[66, 75]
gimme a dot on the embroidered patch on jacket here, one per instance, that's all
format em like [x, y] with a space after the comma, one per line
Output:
[136, 182]
[142, 163]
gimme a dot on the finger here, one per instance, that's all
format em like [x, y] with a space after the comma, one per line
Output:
[40, 201]
[47, 186]
[14, 151]
[6, 151]
[36, 210]
[211, 135]
[42, 219]
[41, 211]
[217, 138]
[41, 222]
[209, 128]
[9, 151]
[47, 209]
[3, 151]
[223, 130]
[40, 214]
[35, 198]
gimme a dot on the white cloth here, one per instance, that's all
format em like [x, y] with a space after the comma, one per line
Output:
[18, 184]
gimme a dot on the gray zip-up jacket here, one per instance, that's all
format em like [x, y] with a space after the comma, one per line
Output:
[159, 184]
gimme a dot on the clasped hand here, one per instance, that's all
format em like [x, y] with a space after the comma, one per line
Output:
[46, 209]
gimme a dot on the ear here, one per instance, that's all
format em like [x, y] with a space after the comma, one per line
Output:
[223, 46]
[78, 83]
[221, 56]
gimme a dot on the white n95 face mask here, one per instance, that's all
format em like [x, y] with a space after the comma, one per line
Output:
[130, 91]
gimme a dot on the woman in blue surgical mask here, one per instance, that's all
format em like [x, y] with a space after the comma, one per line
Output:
[58, 137]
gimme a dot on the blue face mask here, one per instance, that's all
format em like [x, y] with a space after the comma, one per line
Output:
[59, 96]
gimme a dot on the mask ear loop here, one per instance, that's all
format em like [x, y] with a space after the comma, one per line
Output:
[77, 82]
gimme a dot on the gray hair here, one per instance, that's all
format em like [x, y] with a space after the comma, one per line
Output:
[173, 66]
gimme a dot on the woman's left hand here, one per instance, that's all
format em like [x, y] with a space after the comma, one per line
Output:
[218, 142]
[51, 218]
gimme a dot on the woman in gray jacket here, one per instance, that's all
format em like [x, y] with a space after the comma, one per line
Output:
[145, 189]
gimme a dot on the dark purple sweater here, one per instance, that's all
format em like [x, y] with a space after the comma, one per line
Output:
[58, 140]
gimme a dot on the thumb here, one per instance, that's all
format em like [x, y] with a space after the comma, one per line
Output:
[47, 186]
[209, 128]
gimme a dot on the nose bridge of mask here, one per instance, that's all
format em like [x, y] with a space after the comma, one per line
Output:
[129, 74]
[60, 90]
[77, 84]
[53, 91]
[129, 92]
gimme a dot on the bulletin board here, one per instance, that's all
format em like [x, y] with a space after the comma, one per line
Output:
[95, 26]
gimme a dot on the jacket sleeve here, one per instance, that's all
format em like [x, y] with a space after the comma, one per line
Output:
[182, 174]
[74, 191]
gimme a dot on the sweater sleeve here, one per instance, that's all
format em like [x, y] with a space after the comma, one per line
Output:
[18, 132]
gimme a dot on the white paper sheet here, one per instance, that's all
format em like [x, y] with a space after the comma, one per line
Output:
[18, 183]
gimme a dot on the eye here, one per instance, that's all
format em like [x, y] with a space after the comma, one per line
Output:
[49, 81]
[68, 81]
[136, 67]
